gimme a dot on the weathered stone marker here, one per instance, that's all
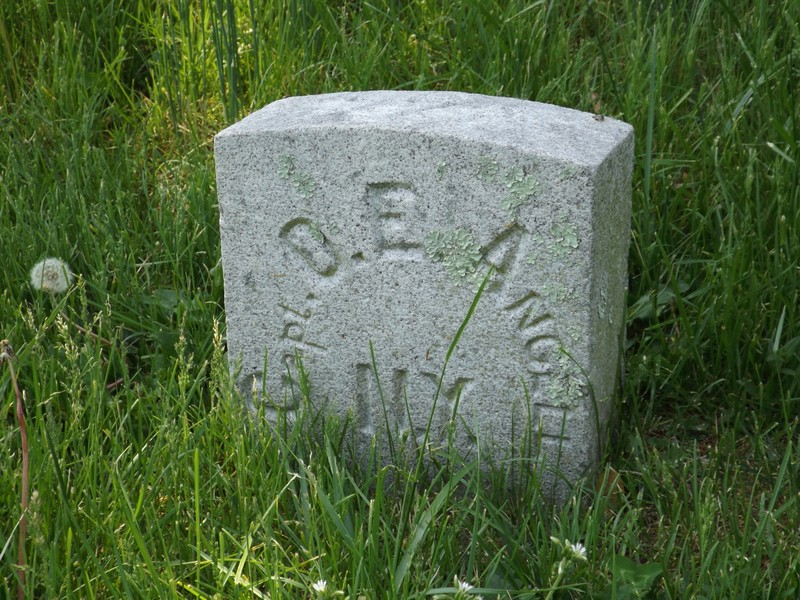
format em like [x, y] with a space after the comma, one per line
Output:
[358, 219]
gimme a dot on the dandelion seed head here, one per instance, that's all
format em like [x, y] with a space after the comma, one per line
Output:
[51, 275]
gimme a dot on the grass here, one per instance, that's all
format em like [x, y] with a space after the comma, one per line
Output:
[147, 479]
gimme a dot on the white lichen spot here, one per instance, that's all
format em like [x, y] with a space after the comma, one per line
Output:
[457, 251]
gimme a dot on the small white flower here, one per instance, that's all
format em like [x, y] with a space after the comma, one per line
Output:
[463, 586]
[578, 550]
[51, 275]
[320, 586]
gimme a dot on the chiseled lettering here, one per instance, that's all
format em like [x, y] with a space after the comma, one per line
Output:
[396, 218]
[307, 242]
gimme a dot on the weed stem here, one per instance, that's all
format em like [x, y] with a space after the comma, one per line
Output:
[7, 355]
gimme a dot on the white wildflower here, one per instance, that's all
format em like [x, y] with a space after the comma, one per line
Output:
[320, 586]
[578, 550]
[51, 275]
[463, 586]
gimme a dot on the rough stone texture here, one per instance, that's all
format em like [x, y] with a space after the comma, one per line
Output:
[369, 219]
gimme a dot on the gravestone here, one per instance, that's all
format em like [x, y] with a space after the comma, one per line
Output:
[356, 229]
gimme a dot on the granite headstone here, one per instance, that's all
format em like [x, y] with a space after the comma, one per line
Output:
[360, 225]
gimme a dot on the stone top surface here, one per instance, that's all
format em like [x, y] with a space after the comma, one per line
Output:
[560, 133]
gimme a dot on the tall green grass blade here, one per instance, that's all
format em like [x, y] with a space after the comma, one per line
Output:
[423, 524]
[76, 528]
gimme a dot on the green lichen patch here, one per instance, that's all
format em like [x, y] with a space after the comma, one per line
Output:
[316, 233]
[521, 188]
[603, 307]
[558, 292]
[285, 166]
[568, 172]
[574, 333]
[559, 288]
[565, 235]
[487, 168]
[441, 169]
[568, 384]
[303, 182]
[513, 175]
[457, 251]
[563, 239]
